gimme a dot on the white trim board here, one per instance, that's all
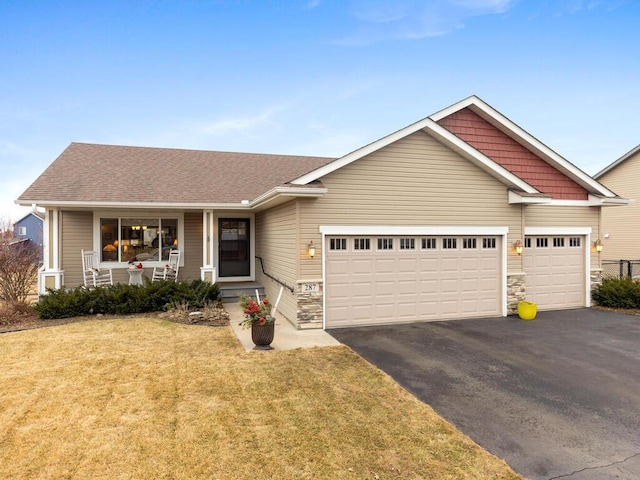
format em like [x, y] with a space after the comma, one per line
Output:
[410, 230]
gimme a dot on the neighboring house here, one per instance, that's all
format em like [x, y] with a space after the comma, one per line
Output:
[621, 226]
[30, 227]
[427, 223]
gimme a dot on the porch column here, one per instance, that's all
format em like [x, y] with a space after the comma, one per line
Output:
[208, 271]
[50, 276]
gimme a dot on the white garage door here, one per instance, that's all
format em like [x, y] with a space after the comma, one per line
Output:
[555, 271]
[381, 280]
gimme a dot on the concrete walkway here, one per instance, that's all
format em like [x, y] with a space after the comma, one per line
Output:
[286, 337]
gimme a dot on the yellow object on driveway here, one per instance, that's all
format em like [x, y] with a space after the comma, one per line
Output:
[527, 310]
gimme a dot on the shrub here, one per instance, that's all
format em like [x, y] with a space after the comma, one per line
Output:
[122, 299]
[617, 293]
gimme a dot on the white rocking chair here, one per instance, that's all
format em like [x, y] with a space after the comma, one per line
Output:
[170, 270]
[91, 273]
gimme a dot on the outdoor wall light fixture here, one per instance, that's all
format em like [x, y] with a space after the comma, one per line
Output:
[517, 246]
[311, 249]
[598, 245]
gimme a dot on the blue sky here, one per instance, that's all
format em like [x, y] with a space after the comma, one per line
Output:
[309, 77]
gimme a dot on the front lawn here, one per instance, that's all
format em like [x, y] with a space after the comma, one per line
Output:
[150, 399]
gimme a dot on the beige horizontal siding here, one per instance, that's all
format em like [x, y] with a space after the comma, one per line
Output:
[415, 181]
[77, 234]
[621, 222]
[557, 216]
[192, 249]
[276, 243]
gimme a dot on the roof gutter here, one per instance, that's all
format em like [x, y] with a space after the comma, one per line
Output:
[274, 193]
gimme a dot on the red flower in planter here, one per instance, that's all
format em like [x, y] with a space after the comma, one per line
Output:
[255, 313]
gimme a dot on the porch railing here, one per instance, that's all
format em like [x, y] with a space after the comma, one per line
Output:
[277, 280]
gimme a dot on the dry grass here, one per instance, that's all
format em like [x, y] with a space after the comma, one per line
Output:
[151, 399]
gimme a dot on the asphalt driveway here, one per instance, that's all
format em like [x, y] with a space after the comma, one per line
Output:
[557, 397]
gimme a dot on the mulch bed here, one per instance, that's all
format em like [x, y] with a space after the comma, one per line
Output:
[210, 317]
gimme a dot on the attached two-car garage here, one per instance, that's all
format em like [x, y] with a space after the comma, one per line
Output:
[383, 279]
[374, 279]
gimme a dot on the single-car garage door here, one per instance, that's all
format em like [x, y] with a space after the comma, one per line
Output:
[555, 271]
[376, 280]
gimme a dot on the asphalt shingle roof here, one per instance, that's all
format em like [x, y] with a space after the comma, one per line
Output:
[109, 173]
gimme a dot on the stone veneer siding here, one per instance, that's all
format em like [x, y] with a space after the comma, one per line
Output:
[309, 312]
[516, 289]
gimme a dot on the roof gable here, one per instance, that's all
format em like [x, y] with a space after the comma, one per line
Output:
[619, 161]
[503, 124]
[504, 150]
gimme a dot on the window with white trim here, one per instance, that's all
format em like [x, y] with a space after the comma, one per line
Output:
[574, 241]
[489, 243]
[449, 243]
[558, 242]
[429, 244]
[542, 242]
[22, 231]
[407, 244]
[469, 243]
[362, 244]
[338, 244]
[137, 239]
[385, 244]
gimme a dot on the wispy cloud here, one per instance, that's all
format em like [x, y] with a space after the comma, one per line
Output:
[313, 4]
[409, 20]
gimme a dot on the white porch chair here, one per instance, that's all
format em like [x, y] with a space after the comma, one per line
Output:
[170, 270]
[91, 273]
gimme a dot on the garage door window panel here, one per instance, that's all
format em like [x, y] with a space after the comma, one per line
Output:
[362, 244]
[449, 243]
[469, 243]
[385, 244]
[558, 242]
[429, 243]
[407, 244]
[337, 244]
[488, 243]
[574, 242]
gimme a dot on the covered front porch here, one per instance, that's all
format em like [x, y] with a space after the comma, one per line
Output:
[215, 246]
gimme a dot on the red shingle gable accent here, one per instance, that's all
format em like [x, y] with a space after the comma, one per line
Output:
[505, 151]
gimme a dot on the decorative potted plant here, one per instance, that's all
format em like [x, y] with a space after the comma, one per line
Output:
[258, 317]
[527, 310]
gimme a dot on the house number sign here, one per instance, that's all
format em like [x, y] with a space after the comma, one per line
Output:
[310, 287]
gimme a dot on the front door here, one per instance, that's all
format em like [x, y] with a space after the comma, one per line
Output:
[234, 247]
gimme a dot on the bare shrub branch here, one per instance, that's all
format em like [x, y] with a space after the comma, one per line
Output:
[19, 264]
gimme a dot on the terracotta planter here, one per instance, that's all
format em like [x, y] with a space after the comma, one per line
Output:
[262, 335]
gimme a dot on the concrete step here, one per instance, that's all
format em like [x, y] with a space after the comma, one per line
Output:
[229, 292]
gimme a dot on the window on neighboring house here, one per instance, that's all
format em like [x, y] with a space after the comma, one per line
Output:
[22, 231]
[137, 239]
